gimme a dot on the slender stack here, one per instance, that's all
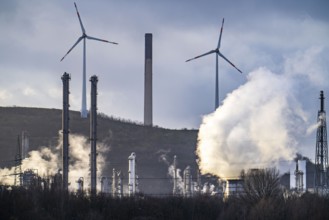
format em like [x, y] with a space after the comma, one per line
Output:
[148, 115]
[65, 130]
[93, 135]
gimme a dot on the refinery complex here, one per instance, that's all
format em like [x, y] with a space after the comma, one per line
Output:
[184, 181]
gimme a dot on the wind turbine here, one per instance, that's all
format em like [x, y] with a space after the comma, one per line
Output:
[218, 54]
[84, 111]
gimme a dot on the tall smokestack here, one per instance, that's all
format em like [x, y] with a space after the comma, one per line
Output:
[65, 130]
[148, 115]
[93, 134]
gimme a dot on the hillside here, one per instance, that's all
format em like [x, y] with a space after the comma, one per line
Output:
[121, 137]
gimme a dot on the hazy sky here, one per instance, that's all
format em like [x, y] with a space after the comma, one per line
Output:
[36, 34]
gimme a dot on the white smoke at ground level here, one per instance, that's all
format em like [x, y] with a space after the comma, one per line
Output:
[48, 160]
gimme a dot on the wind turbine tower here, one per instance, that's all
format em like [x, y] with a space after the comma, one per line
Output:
[321, 151]
[217, 54]
[84, 36]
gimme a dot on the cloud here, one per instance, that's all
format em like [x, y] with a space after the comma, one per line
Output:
[311, 64]
[28, 91]
[4, 95]
[37, 34]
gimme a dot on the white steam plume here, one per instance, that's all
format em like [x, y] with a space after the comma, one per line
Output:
[179, 179]
[254, 127]
[48, 160]
[313, 127]
[259, 123]
[171, 170]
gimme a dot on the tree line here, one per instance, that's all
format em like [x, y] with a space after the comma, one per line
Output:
[263, 198]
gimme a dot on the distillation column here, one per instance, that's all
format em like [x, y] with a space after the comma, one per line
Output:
[299, 181]
[175, 188]
[187, 177]
[132, 174]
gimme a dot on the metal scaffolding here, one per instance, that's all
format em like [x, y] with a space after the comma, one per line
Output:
[321, 151]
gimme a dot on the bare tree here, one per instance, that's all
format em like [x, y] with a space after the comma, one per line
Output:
[261, 184]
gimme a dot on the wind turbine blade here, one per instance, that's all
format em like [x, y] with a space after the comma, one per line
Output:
[80, 38]
[205, 54]
[94, 38]
[220, 35]
[82, 28]
[221, 55]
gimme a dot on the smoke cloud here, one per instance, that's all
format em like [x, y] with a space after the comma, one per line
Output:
[253, 127]
[48, 161]
[258, 124]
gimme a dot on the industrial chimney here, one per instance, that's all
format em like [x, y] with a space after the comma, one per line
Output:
[148, 118]
[93, 135]
[65, 130]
